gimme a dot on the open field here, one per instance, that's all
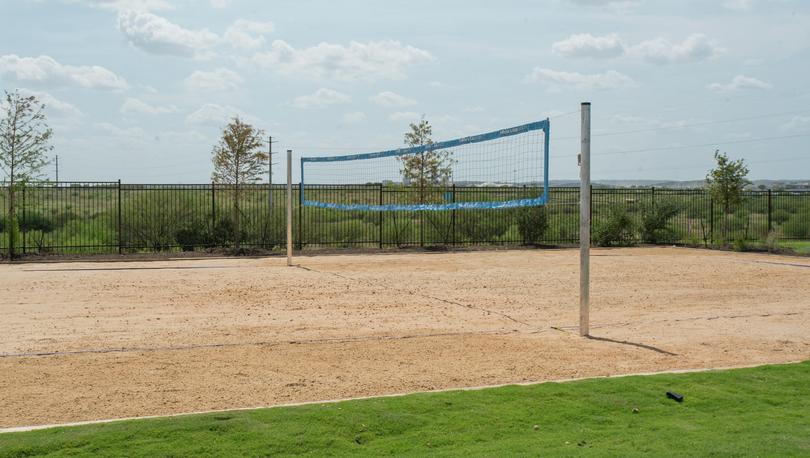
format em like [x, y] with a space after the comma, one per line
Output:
[764, 411]
[93, 340]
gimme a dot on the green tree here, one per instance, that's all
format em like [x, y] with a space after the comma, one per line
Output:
[238, 160]
[727, 180]
[24, 146]
[429, 168]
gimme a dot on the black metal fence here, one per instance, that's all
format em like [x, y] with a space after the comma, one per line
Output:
[113, 217]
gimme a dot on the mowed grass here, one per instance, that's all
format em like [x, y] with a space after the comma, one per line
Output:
[797, 246]
[761, 411]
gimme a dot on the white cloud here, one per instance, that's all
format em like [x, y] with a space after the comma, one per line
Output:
[218, 115]
[587, 45]
[123, 5]
[797, 124]
[133, 105]
[357, 61]
[391, 99]
[54, 106]
[321, 98]
[157, 35]
[211, 113]
[46, 71]
[404, 116]
[220, 79]
[220, 3]
[356, 117]
[695, 47]
[248, 34]
[126, 133]
[739, 83]
[739, 5]
[610, 79]
[611, 4]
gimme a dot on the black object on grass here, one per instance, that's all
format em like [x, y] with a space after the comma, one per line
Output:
[675, 396]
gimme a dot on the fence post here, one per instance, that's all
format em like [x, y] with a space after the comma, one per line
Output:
[300, 243]
[120, 234]
[213, 208]
[770, 212]
[711, 221]
[453, 218]
[22, 223]
[653, 196]
[381, 216]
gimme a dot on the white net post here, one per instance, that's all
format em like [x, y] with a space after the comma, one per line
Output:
[585, 221]
[289, 208]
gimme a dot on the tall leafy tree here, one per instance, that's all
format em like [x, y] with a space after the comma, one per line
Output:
[727, 181]
[24, 147]
[238, 160]
[429, 168]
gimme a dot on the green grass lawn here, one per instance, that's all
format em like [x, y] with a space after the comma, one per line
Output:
[797, 246]
[762, 411]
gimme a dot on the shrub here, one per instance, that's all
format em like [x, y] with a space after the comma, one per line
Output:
[779, 216]
[797, 227]
[33, 221]
[740, 245]
[477, 226]
[152, 219]
[532, 224]
[616, 230]
[655, 223]
[399, 229]
[63, 218]
[192, 236]
[224, 232]
[267, 231]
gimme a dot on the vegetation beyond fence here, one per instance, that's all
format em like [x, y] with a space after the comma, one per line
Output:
[109, 217]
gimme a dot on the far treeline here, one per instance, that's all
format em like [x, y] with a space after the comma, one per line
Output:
[236, 214]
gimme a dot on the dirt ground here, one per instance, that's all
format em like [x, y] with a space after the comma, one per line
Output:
[96, 340]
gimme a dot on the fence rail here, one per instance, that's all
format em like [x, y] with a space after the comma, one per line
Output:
[112, 217]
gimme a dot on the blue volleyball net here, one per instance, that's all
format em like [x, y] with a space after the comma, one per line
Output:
[515, 159]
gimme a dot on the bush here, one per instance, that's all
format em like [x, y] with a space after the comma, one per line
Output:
[63, 218]
[224, 232]
[33, 221]
[779, 216]
[740, 245]
[655, 223]
[616, 230]
[477, 226]
[797, 227]
[532, 224]
[269, 232]
[193, 236]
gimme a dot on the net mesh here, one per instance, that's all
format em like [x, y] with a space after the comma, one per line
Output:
[427, 174]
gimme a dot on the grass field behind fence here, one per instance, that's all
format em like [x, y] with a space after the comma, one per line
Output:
[762, 411]
[108, 217]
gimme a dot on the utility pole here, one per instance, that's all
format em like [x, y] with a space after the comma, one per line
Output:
[57, 169]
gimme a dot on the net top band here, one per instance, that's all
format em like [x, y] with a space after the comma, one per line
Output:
[538, 125]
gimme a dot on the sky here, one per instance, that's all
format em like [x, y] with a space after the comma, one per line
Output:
[140, 90]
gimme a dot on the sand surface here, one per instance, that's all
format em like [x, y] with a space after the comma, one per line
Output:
[95, 340]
